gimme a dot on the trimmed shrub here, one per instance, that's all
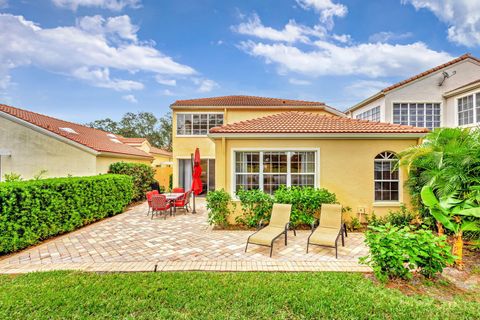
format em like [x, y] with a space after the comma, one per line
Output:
[396, 251]
[256, 205]
[306, 202]
[142, 176]
[398, 218]
[218, 205]
[31, 211]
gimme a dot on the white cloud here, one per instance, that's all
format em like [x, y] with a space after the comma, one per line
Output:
[205, 85]
[325, 58]
[120, 26]
[130, 98]
[99, 77]
[114, 5]
[299, 82]
[87, 51]
[167, 92]
[461, 16]
[388, 36]
[365, 88]
[326, 8]
[292, 32]
[166, 82]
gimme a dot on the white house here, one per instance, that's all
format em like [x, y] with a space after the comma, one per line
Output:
[445, 96]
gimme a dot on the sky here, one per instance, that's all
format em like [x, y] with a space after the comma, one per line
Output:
[82, 60]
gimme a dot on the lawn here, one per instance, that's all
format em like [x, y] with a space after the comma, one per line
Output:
[74, 295]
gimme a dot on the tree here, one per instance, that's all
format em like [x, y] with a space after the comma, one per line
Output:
[158, 131]
[444, 174]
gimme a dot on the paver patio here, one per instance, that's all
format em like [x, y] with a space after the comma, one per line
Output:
[133, 242]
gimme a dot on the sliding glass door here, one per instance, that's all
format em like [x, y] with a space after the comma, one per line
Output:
[208, 174]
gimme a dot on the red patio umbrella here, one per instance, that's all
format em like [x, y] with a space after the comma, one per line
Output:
[197, 186]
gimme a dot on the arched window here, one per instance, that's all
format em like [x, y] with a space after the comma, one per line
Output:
[386, 177]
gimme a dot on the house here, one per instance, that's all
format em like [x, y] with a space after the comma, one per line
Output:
[445, 96]
[192, 120]
[32, 142]
[353, 158]
[162, 161]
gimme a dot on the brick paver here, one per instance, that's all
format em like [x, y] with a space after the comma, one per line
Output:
[133, 242]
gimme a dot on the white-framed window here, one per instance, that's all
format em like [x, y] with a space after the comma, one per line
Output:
[268, 170]
[468, 109]
[424, 115]
[386, 177]
[189, 124]
[371, 114]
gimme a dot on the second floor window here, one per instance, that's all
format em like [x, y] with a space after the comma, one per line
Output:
[193, 124]
[372, 114]
[424, 115]
[468, 109]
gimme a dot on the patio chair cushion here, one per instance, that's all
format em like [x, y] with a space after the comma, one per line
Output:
[280, 215]
[324, 236]
[331, 216]
[266, 235]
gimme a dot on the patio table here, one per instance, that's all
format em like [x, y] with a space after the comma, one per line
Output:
[172, 197]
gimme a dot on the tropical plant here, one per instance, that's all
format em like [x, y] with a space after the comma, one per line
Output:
[444, 179]
[256, 206]
[219, 204]
[453, 212]
[306, 202]
[395, 252]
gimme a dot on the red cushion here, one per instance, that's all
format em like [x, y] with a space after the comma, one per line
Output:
[179, 203]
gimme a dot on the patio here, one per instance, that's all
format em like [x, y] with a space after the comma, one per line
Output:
[133, 242]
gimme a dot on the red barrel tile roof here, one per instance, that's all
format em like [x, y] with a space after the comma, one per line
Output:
[304, 122]
[97, 140]
[156, 150]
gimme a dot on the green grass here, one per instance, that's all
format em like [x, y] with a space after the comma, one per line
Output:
[73, 295]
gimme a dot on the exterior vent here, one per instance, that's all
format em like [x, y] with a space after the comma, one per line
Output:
[115, 140]
[111, 135]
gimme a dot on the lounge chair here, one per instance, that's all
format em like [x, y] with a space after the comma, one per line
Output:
[329, 228]
[279, 224]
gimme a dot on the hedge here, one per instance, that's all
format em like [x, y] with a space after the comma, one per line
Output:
[31, 211]
[142, 176]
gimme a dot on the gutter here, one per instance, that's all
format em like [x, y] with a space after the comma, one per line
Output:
[321, 107]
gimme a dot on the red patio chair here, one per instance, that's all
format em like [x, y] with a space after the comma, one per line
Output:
[149, 199]
[184, 202]
[160, 205]
[178, 190]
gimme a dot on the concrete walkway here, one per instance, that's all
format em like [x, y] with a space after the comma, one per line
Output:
[133, 242]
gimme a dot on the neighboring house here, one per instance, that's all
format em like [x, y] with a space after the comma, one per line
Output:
[192, 120]
[162, 161]
[32, 142]
[445, 96]
[353, 158]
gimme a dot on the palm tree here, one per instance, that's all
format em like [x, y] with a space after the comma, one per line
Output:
[446, 166]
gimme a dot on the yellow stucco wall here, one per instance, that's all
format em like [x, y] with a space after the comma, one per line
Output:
[103, 162]
[183, 146]
[32, 151]
[346, 167]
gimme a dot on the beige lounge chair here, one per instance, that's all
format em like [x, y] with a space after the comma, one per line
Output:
[279, 224]
[329, 228]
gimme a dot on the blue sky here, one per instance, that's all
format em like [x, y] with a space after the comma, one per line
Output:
[82, 60]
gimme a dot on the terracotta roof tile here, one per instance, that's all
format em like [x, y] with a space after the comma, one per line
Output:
[132, 140]
[303, 122]
[97, 140]
[156, 150]
[429, 71]
[231, 101]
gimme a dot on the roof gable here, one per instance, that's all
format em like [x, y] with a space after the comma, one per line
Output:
[94, 139]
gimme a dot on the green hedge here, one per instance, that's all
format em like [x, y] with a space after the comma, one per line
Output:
[31, 211]
[142, 177]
